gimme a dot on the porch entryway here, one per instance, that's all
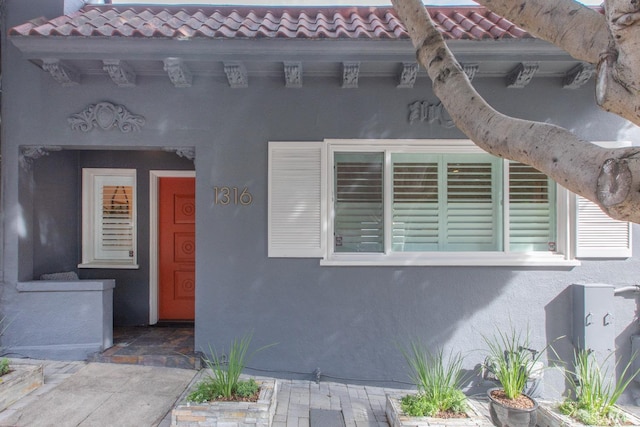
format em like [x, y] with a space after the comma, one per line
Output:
[170, 346]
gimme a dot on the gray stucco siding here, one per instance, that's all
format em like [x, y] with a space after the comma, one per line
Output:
[348, 322]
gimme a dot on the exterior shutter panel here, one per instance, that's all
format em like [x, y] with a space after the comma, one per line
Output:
[598, 235]
[115, 218]
[297, 199]
[531, 209]
[359, 210]
[471, 209]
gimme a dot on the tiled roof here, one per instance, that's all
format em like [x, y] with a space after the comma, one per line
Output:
[456, 23]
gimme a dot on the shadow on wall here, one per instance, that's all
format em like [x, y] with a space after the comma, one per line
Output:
[355, 320]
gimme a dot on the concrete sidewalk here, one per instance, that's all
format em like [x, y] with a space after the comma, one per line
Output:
[98, 394]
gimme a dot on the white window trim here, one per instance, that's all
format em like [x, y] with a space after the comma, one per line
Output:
[89, 227]
[462, 146]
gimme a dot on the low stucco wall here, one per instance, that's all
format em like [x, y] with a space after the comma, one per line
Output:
[66, 320]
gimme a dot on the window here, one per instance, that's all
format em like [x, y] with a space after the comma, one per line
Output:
[108, 218]
[436, 202]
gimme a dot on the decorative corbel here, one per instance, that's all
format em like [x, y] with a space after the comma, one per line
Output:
[237, 75]
[178, 72]
[120, 72]
[578, 76]
[470, 70]
[522, 75]
[350, 75]
[62, 72]
[408, 75]
[293, 74]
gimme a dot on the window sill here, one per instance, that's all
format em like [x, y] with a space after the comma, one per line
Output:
[458, 259]
[103, 264]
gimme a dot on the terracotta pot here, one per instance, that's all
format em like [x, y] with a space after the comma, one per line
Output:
[506, 416]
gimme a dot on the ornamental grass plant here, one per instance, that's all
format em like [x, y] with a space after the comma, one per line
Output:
[595, 391]
[223, 380]
[510, 360]
[438, 380]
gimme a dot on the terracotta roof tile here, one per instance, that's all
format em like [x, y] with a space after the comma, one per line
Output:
[258, 22]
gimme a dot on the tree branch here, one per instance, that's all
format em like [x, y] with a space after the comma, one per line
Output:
[580, 31]
[607, 177]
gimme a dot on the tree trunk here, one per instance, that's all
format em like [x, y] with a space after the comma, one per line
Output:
[608, 177]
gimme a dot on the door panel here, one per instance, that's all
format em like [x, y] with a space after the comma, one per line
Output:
[177, 248]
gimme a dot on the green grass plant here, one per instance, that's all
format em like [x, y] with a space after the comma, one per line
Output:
[223, 380]
[438, 380]
[511, 360]
[595, 391]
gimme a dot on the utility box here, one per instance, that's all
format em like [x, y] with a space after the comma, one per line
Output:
[593, 320]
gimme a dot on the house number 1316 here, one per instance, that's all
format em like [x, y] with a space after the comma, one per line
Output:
[232, 196]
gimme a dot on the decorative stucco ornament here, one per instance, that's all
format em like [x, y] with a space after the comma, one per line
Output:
[188, 153]
[31, 152]
[422, 111]
[106, 116]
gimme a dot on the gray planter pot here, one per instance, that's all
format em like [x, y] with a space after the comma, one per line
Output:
[507, 416]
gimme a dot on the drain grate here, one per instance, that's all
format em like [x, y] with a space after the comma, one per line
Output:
[325, 418]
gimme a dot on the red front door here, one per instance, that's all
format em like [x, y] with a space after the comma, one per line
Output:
[177, 248]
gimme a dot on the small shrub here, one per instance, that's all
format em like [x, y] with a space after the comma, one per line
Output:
[4, 366]
[595, 394]
[438, 382]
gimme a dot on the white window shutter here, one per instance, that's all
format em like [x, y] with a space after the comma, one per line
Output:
[297, 199]
[598, 235]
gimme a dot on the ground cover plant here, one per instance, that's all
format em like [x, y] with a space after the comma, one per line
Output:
[595, 393]
[223, 379]
[4, 366]
[438, 380]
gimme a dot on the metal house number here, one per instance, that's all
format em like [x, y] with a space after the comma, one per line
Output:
[232, 196]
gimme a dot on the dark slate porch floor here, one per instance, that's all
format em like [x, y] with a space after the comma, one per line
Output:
[167, 346]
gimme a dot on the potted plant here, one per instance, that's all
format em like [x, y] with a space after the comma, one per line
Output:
[213, 400]
[438, 380]
[593, 394]
[511, 361]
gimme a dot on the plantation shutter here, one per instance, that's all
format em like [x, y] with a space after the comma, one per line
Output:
[109, 219]
[296, 199]
[472, 217]
[114, 217]
[359, 208]
[416, 208]
[598, 235]
[532, 223]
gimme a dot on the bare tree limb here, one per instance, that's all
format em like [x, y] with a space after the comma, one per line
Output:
[610, 41]
[607, 177]
[580, 31]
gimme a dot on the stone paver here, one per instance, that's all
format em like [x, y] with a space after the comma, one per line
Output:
[360, 406]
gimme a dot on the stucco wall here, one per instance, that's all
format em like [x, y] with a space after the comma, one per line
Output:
[345, 321]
